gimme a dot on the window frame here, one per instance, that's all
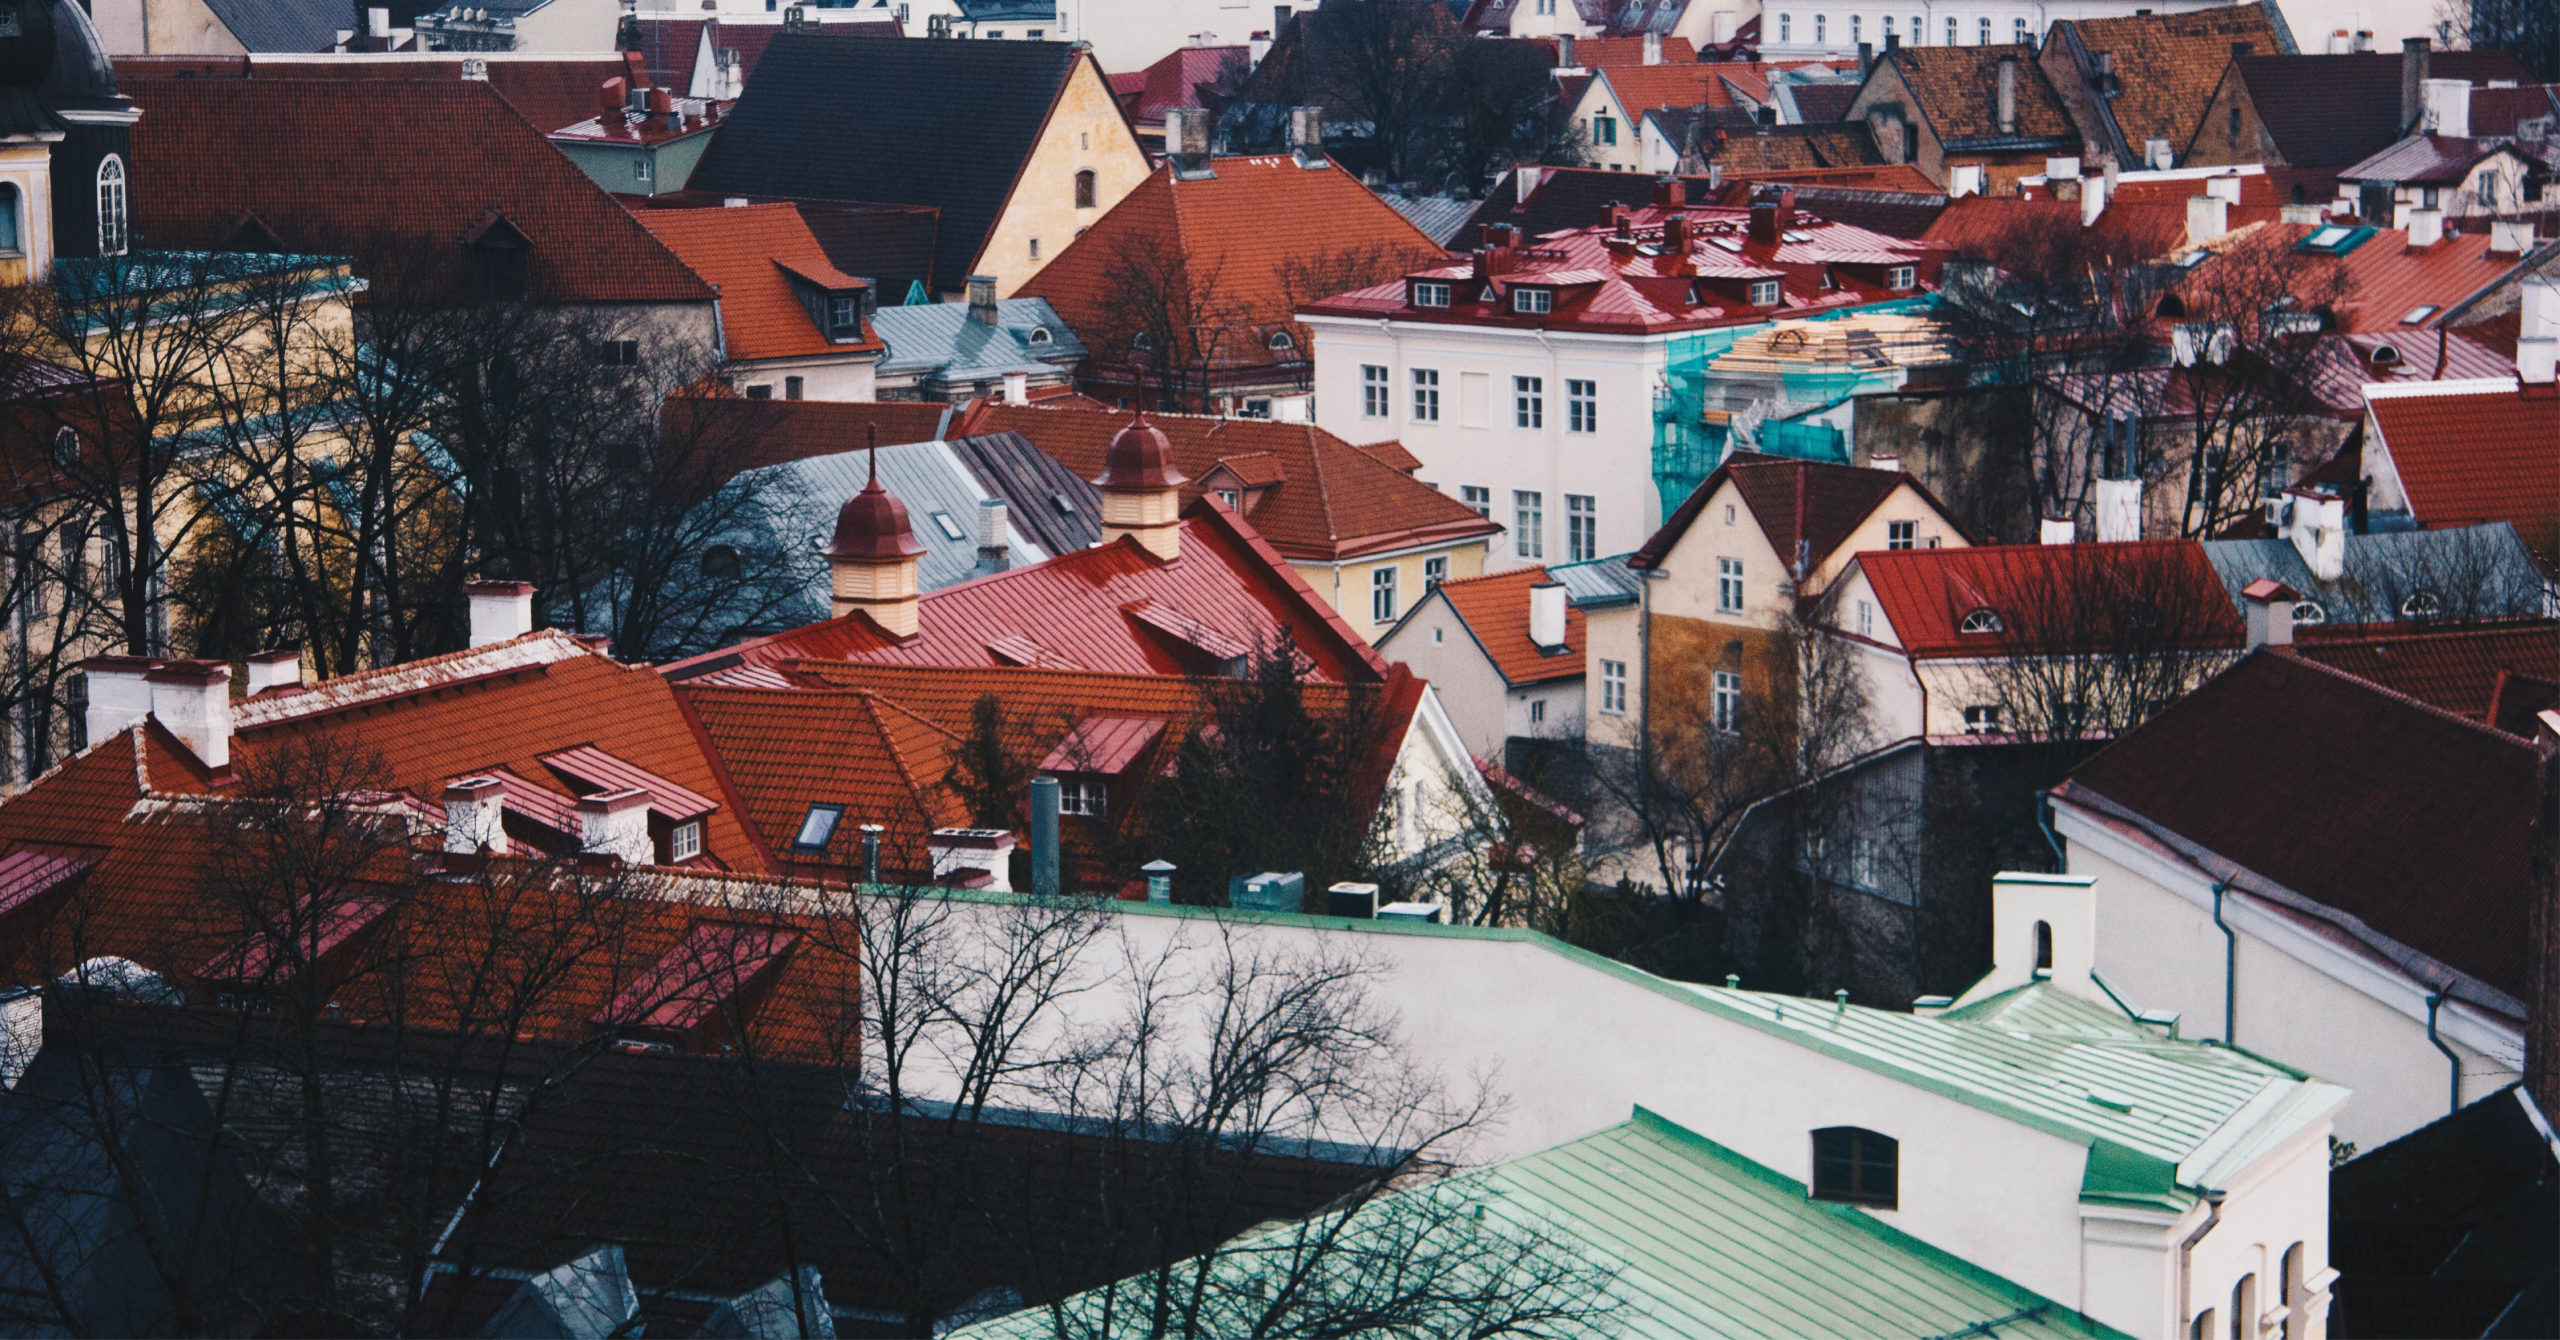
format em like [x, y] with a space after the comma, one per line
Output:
[1429, 293]
[1529, 523]
[1528, 402]
[1382, 594]
[684, 841]
[1982, 719]
[1581, 405]
[827, 835]
[1855, 1149]
[1581, 527]
[1533, 301]
[1435, 570]
[1902, 535]
[113, 198]
[1084, 189]
[1730, 592]
[1767, 293]
[1725, 702]
[1479, 497]
[1377, 391]
[1613, 688]
[1426, 395]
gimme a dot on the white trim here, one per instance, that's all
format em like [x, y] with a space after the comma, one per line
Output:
[2456, 386]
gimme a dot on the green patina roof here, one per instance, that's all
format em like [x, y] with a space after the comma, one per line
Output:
[1706, 1242]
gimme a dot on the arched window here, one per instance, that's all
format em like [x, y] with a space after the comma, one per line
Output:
[2244, 1308]
[1980, 621]
[1858, 1166]
[2044, 946]
[2292, 1290]
[2309, 611]
[1282, 342]
[2421, 605]
[1040, 335]
[9, 226]
[1084, 189]
[2208, 1326]
[720, 563]
[1141, 340]
[111, 206]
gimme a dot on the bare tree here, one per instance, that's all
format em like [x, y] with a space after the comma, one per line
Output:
[2526, 29]
[2102, 644]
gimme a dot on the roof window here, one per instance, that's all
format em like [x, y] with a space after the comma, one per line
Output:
[1282, 341]
[2335, 239]
[1857, 1166]
[2417, 314]
[1980, 621]
[2309, 611]
[817, 828]
[1039, 335]
[2421, 605]
[950, 529]
[1430, 295]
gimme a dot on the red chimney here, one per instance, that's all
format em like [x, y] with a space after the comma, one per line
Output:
[1667, 193]
[611, 97]
[1786, 208]
[1675, 235]
[1764, 223]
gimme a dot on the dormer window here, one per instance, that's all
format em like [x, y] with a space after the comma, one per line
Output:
[1282, 342]
[1430, 295]
[1039, 335]
[1084, 797]
[684, 842]
[1980, 621]
[1764, 293]
[2421, 605]
[1533, 301]
[844, 316]
[2309, 611]
[1858, 1166]
[1900, 277]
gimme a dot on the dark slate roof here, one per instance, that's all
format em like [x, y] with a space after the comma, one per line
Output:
[1826, 101]
[2329, 111]
[2416, 827]
[843, 118]
[1060, 508]
[2449, 1230]
[284, 25]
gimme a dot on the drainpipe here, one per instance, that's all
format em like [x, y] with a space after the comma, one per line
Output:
[2186, 1256]
[2434, 1003]
[2044, 820]
[2230, 961]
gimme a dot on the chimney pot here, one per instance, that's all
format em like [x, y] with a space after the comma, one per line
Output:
[1547, 615]
[499, 610]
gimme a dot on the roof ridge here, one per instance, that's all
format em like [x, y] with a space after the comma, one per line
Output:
[2359, 681]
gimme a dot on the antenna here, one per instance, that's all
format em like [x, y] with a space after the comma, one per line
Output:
[871, 442]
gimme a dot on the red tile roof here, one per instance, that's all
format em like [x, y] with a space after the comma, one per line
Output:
[2414, 822]
[789, 749]
[550, 92]
[2011, 231]
[1602, 53]
[602, 772]
[748, 253]
[213, 150]
[1175, 80]
[2047, 598]
[1245, 246]
[1495, 610]
[1315, 497]
[2374, 288]
[35, 869]
[1084, 610]
[2170, 65]
[2455, 669]
[2486, 456]
[1639, 88]
[1812, 501]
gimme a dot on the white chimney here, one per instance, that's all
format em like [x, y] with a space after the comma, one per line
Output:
[1885, 460]
[2093, 200]
[2207, 218]
[2119, 508]
[499, 610]
[2062, 169]
[192, 700]
[474, 815]
[2535, 359]
[2056, 530]
[1653, 48]
[2448, 108]
[995, 550]
[986, 850]
[2270, 612]
[377, 23]
[2224, 188]
[1017, 388]
[2157, 155]
[272, 669]
[2318, 529]
[2426, 227]
[2042, 926]
[118, 693]
[1546, 614]
[1964, 179]
[617, 823]
[2510, 237]
[1724, 21]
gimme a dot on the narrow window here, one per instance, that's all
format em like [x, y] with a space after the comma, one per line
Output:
[1382, 595]
[640, 170]
[2244, 1308]
[1581, 405]
[1613, 688]
[792, 387]
[1581, 527]
[1426, 395]
[1529, 402]
[1787, 27]
[1951, 30]
[1084, 189]
[1373, 391]
[1857, 1166]
[2044, 946]
[1729, 586]
[1857, 29]
[1537, 711]
[1727, 704]
[1035, 248]
[1528, 524]
[111, 206]
[1604, 129]
[2291, 1289]
[2018, 31]
[1983, 33]
[1477, 498]
[1821, 29]
[1866, 618]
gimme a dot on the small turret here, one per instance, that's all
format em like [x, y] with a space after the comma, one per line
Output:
[1141, 491]
[873, 558]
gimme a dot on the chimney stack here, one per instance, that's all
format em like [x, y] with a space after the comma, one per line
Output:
[2225, 188]
[1866, 59]
[616, 823]
[1667, 193]
[499, 610]
[192, 699]
[1017, 388]
[995, 551]
[2270, 612]
[2118, 503]
[2056, 530]
[2426, 228]
[981, 857]
[1677, 241]
[982, 299]
[2413, 79]
[2537, 357]
[1546, 615]
[474, 815]
[2093, 197]
[2042, 927]
[1306, 136]
[272, 669]
[2158, 155]
[118, 693]
[1653, 48]
[2207, 218]
[1186, 142]
[2008, 95]
[1564, 52]
[2316, 522]
[2448, 108]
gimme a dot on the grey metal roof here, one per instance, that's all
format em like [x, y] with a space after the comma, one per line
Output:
[1439, 217]
[940, 337]
[2472, 572]
[1598, 583]
[929, 477]
[265, 26]
[1060, 508]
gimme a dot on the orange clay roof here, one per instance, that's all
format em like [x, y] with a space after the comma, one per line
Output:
[1495, 610]
[2036, 592]
[745, 252]
[791, 748]
[2489, 456]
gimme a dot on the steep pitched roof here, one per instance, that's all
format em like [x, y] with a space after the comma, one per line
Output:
[1812, 501]
[1639, 88]
[216, 149]
[1115, 608]
[750, 254]
[2384, 279]
[282, 25]
[1322, 500]
[2418, 828]
[792, 748]
[2488, 456]
[2456, 669]
[1175, 80]
[832, 117]
[2330, 110]
[1958, 92]
[1495, 610]
[1245, 246]
[2168, 65]
[2042, 597]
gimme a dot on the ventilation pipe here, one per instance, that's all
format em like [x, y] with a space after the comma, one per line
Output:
[1044, 836]
[2008, 95]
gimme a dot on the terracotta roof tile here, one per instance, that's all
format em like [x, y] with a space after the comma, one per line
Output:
[1602, 53]
[1495, 610]
[1175, 80]
[2487, 456]
[745, 253]
[2385, 279]
[1993, 227]
[2456, 669]
[1958, 92]
[792, 748]
[1640, 88]
[2037, 593]
[2418, 828]
[2169, 65]
[215, 149]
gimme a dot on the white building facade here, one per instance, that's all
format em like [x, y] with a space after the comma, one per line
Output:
[1795, 29]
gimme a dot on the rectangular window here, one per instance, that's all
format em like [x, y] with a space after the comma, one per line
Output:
[1729, 586]
[1728, 700]
[1866, 618]
[844, 316]
[817, 827]
[1435, 570]
[1528, 524]
[1529, 402]
[1373, 391]
[761, 391]
[792, 387]
[640, 170]
[1857, 1166]
[1899, 277]
[1821, 29]
[1888, 27]
[2018, 31]
[1984, 720]
[1604, 129]
[1581, 528]
[1537, 711]
[1533, 301]
[618, 353]
[1035, 248]
[1084, 796]
[1430, 295]
[1382, 595]
[1613, 688]
[1982, 33]
[1951, 30]
[1426, 395]
[1764, 293]
[685, 842]
[1581, 406]
[1857, 28]
[1899, 534]
[1479, 499]
[1787, 27]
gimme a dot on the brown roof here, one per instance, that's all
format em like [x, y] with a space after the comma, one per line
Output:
[413, 168]
[2010, 231]
[1495, 610]
[1815, 502]
[1958, 92]
[2456, 669]
[2330, 110]
[2168, 65]
[1792, 152]
[1314, 496]
[2412, 821]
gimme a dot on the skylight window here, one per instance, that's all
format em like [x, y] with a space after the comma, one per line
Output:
[1733, 245]
[2417, 314]
[2325, 239]
[950, 529]
[818, 828]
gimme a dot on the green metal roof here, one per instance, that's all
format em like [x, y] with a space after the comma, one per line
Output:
[1702, 1242]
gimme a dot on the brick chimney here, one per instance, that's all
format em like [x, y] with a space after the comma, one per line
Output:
[2414, 54]
[192, 700]
[982, 299]
[1186, 142]
[1306, 136]
[499, 610]
[1677, 240]
[995, 551]
[1667, 193]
